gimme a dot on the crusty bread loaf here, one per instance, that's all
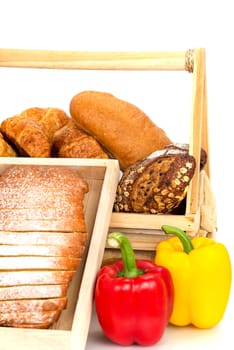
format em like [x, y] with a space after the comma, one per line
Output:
[43, 236]
[72, 142]
[156, 185]
[124, 130]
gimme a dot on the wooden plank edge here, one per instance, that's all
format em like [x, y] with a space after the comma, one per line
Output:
[89, 60]
[83, 311]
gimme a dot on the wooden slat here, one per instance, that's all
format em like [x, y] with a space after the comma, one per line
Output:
[92, 60]
[153, 222]
[196, 124]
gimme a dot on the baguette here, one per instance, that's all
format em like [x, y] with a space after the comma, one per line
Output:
[124, 130]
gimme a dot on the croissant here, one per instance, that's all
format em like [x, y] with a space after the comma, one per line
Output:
[27, 136]
[50, 119]
[31, 132]
[5, 149]
[72, 142]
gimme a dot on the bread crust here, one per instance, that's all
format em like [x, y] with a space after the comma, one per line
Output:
[155, 185]
[5, 148]
[51, 119]
[43, 237]
[27, 136]
[124, 130]
[72, 142]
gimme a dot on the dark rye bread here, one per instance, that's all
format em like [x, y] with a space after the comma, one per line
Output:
[185, 148]
[156, 185]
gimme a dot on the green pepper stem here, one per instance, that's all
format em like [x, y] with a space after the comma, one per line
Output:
[118, 239]
[185, 240]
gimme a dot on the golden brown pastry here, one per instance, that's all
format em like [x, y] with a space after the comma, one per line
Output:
[124, 130]
[27, 136]
[5, 149]
[43, 235]
[72, 142]
[51, 119]
[156, 185]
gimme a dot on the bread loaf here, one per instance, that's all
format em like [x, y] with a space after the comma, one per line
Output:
[43, 236]
[155, 185]
[72, 142]
[124, 130]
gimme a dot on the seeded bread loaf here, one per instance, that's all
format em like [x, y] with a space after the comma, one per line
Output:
[124, 130]
[43, 235]
[155, 185]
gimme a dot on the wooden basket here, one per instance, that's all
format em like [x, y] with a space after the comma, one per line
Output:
[144, 231]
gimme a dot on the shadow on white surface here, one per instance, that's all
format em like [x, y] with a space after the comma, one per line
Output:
[175, 338]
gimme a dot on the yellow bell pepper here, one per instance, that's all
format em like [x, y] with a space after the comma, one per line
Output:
[202, 275]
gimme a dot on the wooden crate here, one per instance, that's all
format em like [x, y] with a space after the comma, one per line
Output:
[71, 330]
[143, 230]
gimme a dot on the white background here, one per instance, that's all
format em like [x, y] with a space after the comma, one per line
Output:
[144, 25]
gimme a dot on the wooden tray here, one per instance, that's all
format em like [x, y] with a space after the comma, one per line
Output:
[71, 330]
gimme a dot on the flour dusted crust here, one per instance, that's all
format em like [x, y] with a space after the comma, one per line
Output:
[41, 242]
[155, 185]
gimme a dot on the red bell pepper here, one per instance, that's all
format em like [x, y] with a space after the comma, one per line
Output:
[133, 298]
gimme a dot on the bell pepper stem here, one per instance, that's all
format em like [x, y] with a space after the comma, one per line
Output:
[118, 239]
[185, 240]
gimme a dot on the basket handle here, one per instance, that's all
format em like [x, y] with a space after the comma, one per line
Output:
[92, 60]
[198, 127]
